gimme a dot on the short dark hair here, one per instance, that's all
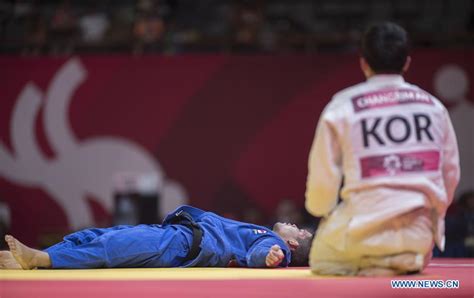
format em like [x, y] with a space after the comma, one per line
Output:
[300, 256]
[385, 47]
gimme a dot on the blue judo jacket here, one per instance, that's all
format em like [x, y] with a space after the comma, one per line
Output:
[225, 240]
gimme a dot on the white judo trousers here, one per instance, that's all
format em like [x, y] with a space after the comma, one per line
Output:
[395, 148]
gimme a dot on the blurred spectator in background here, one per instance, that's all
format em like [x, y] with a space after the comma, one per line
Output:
[247, 23]
[22, 26]
[119, 36]
[36, 38]
[456, 232]
[4, 223]
[254, 215]
[93, 25]
[466, 202]
[459, 228]
[149, 27]
[177, 26]
[309, 222]
[63, 29]
[287, 211]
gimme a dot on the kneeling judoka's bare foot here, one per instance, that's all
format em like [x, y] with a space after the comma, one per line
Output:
[27, 257]
[407, 262]
[7, 261]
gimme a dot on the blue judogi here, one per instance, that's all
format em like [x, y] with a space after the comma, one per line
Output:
[167, 245]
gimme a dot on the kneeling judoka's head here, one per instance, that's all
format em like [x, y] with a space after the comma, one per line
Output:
[298, 240]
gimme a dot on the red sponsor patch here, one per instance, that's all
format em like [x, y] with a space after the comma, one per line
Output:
[399, 163]
[391, 97]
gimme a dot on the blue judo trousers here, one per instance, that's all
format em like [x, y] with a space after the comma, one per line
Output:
[167, 245]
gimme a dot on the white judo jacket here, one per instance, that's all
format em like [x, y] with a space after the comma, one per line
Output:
[387, 138]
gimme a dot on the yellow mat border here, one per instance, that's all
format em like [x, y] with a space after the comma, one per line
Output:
[158, 274]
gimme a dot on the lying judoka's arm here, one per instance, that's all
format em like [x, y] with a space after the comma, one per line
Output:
[324, 169]
[266, 253]
[450, 166]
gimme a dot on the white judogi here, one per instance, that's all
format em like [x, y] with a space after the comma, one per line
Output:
[395, 147]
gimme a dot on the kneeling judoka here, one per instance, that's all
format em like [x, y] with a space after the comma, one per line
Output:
[395, 147]
[188, 237]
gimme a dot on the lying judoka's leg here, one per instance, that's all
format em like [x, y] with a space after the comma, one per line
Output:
[27, 257]
[84, 236]
[83, 249]
[140, 246]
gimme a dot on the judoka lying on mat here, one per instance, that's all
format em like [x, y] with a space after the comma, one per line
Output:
[188, 237]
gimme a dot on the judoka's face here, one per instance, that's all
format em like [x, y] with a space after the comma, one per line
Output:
[289, 231]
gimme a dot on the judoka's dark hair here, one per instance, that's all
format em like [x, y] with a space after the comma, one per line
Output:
[300, 256]
[385, 47]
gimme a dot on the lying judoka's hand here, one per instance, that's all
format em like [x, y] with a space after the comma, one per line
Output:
[274, 257]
